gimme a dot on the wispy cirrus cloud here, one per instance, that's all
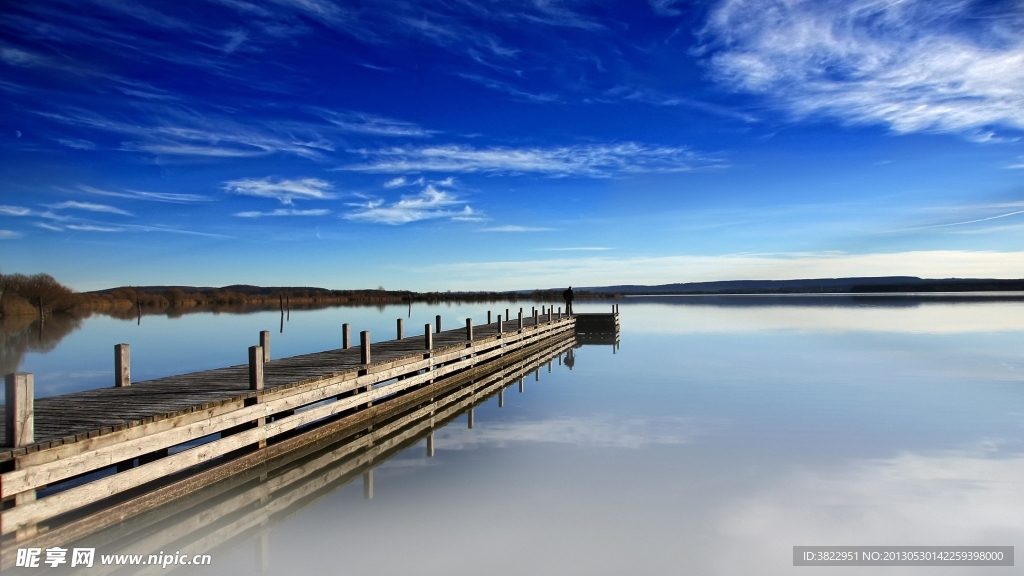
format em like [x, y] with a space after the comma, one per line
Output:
[576, 249]
[88, 206]
[514, 92]
[284, 212]
[94, 228]
[430, 204]
[363, 123]
[10, 234]
[170, 197]
[1019, 165]
[594, 160]
[15, 211]
[284, 190]
[914, 65]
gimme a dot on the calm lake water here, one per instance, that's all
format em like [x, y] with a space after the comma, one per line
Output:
[720, 434]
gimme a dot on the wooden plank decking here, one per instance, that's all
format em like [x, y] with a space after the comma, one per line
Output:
[150, 430]
[80, 415]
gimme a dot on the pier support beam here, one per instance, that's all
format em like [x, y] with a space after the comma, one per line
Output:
[255, 384]
[501, 398]
[19, 421]
[122, 366]
[500, 327]
[368, 484]
[520, 319]
[428, 338]
[265, 344]
[520, 385]
[470, 418]
[364, 347]
[401, 328]
[346, 336]
[469, 329]
[438, 321]
[488, 316]
[430, 444]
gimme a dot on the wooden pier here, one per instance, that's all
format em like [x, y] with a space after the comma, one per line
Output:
[116, 452]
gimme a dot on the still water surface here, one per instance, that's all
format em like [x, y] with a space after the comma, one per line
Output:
[720, 434]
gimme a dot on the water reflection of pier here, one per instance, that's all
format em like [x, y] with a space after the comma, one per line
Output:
[242, 508]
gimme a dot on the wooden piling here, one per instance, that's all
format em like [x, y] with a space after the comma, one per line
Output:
[488, 316]
[19, 418]
[255, 368]
[401, 328]
[346, 336]
[469, 418]
[364, 347]
[430, 444]
[265, 344]
[520, 385]
[437, 320]
[469, 329]
[428, 338]
[500, 326]
[122, 366]
[501, 398]
[520, 318]
[368, 484]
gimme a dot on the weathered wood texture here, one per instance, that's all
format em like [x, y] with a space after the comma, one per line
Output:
[317, 461]
[87, 431]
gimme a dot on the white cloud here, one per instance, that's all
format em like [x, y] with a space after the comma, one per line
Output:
[9, 234]
[594, 431]
[171, 197]
[77, 144]
[89, 206]
[515, 228]
[94, 228]
[14, 211]
[284, 190]
[914, 65]
[362, 123]
[597, 161]
[427, 205]
[284, 212]
[395, 182]
[50, 227]
[1018, 166]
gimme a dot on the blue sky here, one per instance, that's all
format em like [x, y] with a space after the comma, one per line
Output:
[447, 145]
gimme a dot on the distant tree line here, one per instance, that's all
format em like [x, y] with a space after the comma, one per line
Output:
[20, 294]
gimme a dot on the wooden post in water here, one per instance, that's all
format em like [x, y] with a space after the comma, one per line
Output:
[122, 366]
[520, 385]
[469, 329]
[19, 422]
[520, 318]
[438, 321]
[255, 368]
[470, 419]
[507, 315]
[501, 398]
[401, 328]
[364, 347]
[368, 484]
[559, 312]
[500, 327]
[265, 344]
[430, 444]
[488, 316]
[346, 336]
[428, 338]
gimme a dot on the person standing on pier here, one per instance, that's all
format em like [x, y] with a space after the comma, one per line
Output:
[568, 296]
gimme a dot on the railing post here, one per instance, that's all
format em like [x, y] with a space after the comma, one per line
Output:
[122, 366]
[20, 419]
[346, 336]
[428, 338]
[488, 316]
[401, 328]
[438, 321]
[469, 329]
[265, 344]
[364, 347]
[255, 368]
[500, 327]
[559, 312]
[507, 315]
